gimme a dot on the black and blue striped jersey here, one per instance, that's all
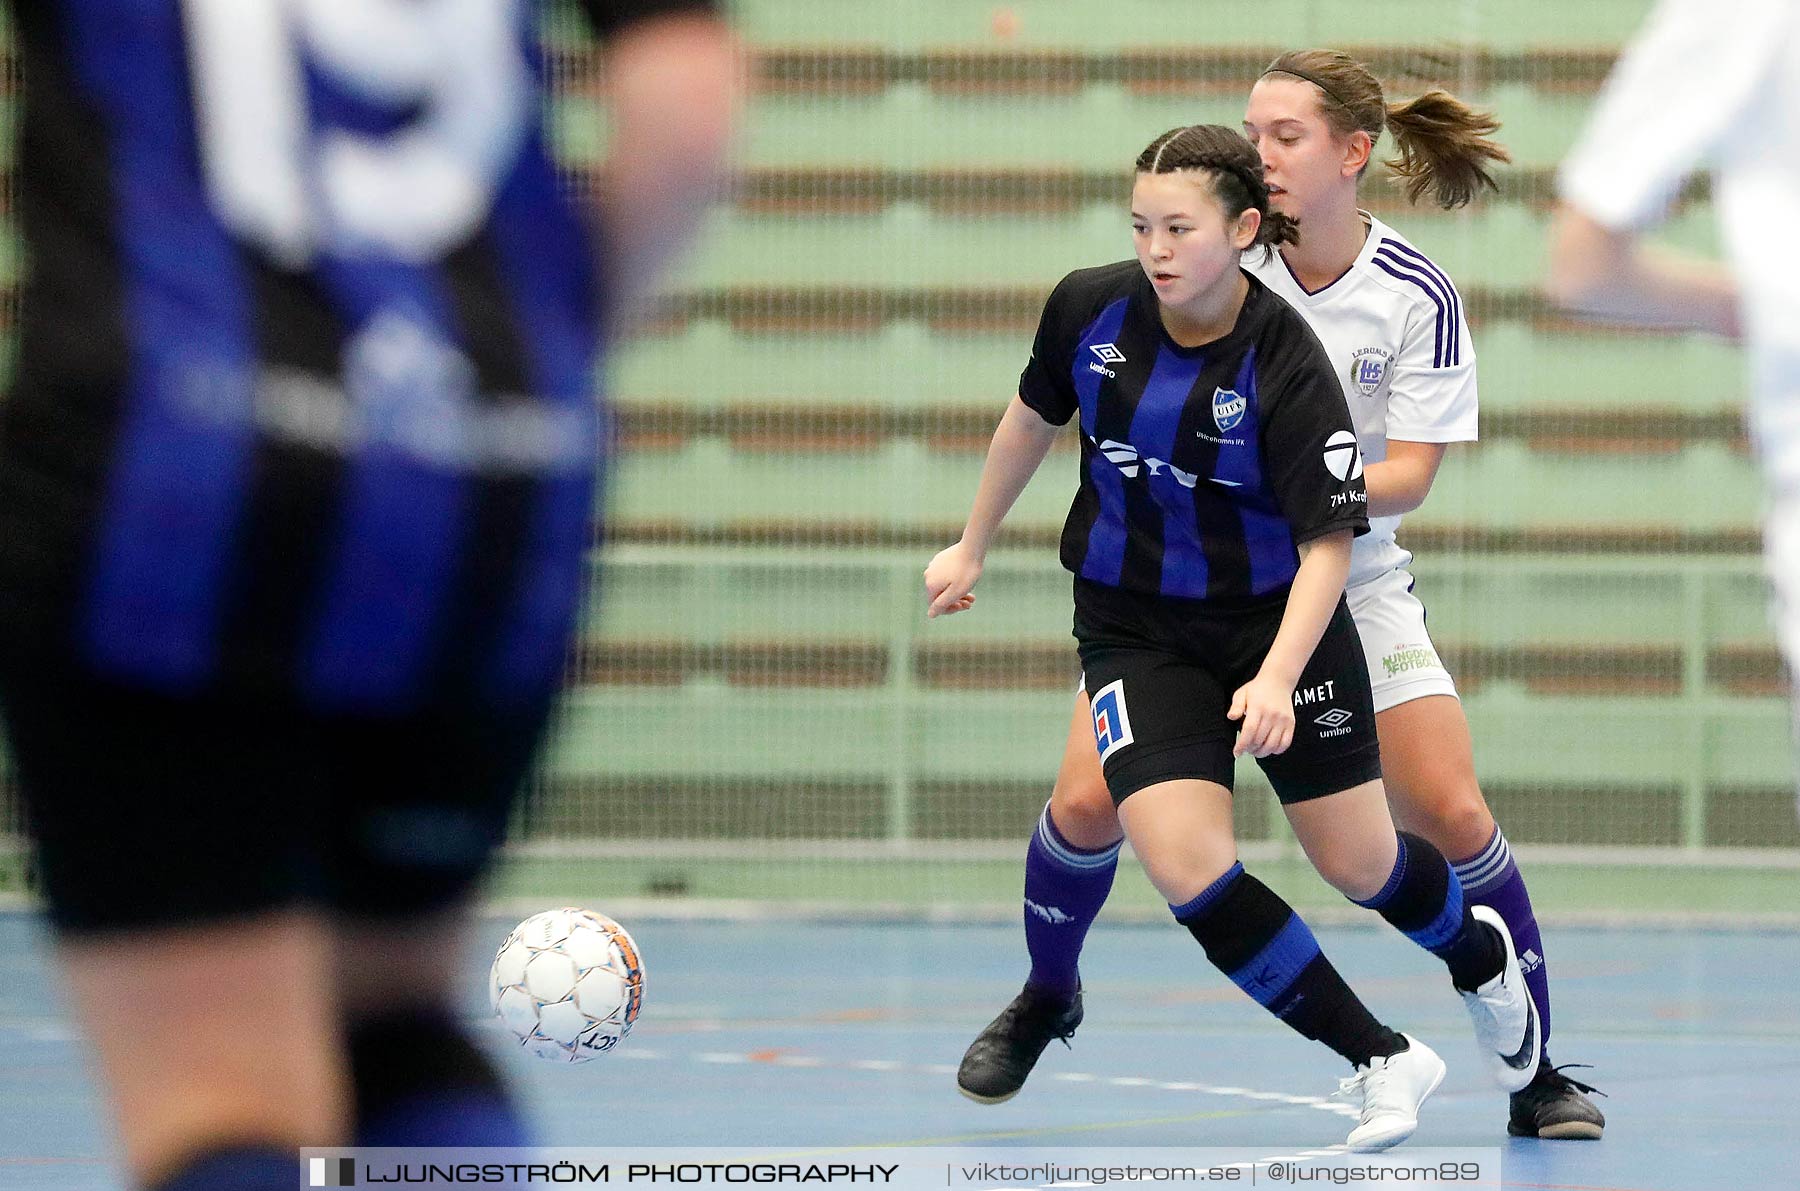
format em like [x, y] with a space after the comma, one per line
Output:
[305, 386]
[1202, 468]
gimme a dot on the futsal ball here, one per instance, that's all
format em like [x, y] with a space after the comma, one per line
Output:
[568, 983]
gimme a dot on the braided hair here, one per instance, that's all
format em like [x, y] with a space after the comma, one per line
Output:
[1236, 171]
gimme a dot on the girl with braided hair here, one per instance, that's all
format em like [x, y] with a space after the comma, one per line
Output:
[1393, 329]
[1221, 486]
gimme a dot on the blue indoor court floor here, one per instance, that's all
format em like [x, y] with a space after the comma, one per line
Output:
[846, 1035]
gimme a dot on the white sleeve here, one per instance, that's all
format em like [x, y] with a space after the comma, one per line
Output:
[1431, 383]
[1691, 72]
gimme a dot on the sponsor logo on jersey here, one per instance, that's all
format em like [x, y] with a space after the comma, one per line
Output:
[1410, 657]
[1228, 409]
[1368, 366]
[1126, 458]
[1112, 723]
[1341, 499]
[1530, 961]
[1342, 458]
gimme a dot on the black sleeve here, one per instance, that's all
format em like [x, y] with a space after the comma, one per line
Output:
[611, 16]
[1046, 385]
[1309, 447]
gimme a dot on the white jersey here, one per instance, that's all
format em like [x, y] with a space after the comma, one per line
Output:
[1394, 328]
[1710, 86]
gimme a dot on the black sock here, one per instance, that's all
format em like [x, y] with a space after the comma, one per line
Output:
[1255, 938]
[1424, 901]
[420, 1080]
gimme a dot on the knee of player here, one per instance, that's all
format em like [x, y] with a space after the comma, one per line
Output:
[1352, 874]
[1454, 817]
[1084, 811]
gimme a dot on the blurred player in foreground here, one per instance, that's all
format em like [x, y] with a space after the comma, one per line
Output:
[1701, 87]
[296, 484]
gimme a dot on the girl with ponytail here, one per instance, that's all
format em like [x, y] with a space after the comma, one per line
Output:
[1399, 350]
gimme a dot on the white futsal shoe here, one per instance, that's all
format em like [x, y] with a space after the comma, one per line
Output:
[1506, 1022]
[1391, 1091]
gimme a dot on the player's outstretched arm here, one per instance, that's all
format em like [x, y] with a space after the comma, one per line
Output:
[1607, 274]
[1265, 704]
[1020, 443]
[672, 88]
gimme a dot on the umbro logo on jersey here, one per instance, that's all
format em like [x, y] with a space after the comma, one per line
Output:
[1342, 459]
[1109, 354]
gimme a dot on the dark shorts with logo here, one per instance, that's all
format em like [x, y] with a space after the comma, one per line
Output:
[1160, 674]
[151, 810]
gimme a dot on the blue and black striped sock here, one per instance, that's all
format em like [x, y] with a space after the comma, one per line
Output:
[1424, 901]
[1257, 939]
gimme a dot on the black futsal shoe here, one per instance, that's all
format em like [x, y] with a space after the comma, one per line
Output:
[1554, 1106]
[996, 1064]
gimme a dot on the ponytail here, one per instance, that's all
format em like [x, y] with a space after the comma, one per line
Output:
[1444, 145]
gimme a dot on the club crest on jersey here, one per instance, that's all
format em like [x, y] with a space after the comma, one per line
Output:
[1228, 409]
[1112, 725]
[1368, 366]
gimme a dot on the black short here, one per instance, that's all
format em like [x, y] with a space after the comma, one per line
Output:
[152, 810]
[1160, 675]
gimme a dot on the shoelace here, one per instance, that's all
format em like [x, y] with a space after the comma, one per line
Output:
[1562, 1081]
[1353, 1088]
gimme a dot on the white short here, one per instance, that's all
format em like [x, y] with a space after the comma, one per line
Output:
[1403, 664]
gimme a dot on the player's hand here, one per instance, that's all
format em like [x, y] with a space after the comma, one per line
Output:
[948, 580]
[1266, 707]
